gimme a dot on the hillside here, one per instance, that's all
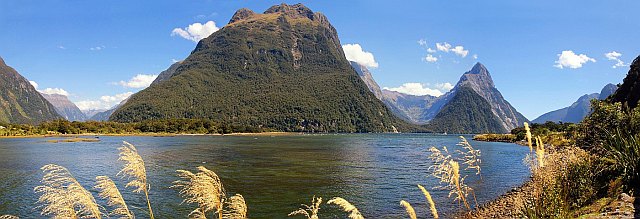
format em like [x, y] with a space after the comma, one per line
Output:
[65, 107]
[467, 112]
[629, 92]
[283, 69]
[20, 102]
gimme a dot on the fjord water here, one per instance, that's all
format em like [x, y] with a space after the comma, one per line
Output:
[275, 174]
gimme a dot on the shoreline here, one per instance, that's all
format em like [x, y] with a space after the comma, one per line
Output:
[152, 135]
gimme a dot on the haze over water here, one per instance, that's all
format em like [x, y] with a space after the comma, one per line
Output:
[275, 174]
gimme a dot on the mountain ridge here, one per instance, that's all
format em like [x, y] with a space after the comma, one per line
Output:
[67, 109]
[578, 110]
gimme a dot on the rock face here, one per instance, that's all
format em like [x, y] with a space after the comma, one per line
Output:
[283, 69]
[406, 106]
[366, 76]
[578, 110]
[629, 91]
[64, 107]
[20, 102]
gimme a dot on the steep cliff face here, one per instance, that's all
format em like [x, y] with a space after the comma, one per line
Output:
[367, 77]
[20, 102]
[629, 91]
[65, 107]
[283, 69]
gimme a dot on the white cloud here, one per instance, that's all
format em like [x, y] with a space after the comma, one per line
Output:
[445, 47]
[105, 102]
[97, 48]
[459, 50]
[354, 53]
[422, 42]
[139, 81]
[430, 58]
[444, 86]
[475, 56]
[615, 56]
[59, 91]
[419, 89]
[196, 31]
[568, 59]
[430, 50]
[35, 85]
[61, 47]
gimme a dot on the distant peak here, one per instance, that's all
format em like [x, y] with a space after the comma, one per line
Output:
[478, 68]
[293, 11]
[2, 62]
[241, 14]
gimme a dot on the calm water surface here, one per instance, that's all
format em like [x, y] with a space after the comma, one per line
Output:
[275, 174]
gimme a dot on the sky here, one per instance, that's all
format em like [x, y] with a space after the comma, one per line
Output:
[542, 55]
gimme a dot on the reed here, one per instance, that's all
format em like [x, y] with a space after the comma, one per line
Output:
[9, 217]
[528, 130]
[203, 188]
[346, 207]
[410, 211]
[441, 169]
[62, 196]
[540, 151]
[471, 156]
[197, 214]
[135, 170]
[311, 212]
[236, 208]
[432, 205]
[110, 192]
[460, 189]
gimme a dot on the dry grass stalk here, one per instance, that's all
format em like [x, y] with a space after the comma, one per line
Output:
[346, 207]
[459, 188]
[110, 192]
[197, 214]
[203, 188]
[432, 205]
[540, 151]
[134, 169]
[311, 212]
[62, 196]
[526, 128]
[441, 168]
[236, 208]
[471, 157]
[409, 209]
[9, 217]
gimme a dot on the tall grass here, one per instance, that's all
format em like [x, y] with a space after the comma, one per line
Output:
[110, 192]
[354, 213]
[135, 170]
[203, 188]
[62, 196]
[236, 208]
[432, 205]
[310, 211]
[9, 217]
[624, 150]
[528, 130]
[410, 211]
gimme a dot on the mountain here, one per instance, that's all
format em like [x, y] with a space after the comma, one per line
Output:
[578, 110]
[629, 91]
[283, 69]
[166, 74]
[91, 112]
[367, 77]
[406, 106]
[104, 115]
[467, 112]
[20, 102]
[65, 107]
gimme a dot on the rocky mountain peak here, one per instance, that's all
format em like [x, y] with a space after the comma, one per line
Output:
[2, 62]
[629, 91]
[607, 91]
[478, 77]
[292, 11]
[241, 14]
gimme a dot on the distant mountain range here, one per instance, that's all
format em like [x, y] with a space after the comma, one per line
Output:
[20, 102]
[65, 107]
[283, 69]
[579, 109]
[474, 105]
[104, 115]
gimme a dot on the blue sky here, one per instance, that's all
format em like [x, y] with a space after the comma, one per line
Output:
[94, 49]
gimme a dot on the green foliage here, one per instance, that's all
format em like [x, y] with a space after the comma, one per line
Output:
[271, 72]
[173, 126]
[623, 149]
[467, 112]
[605, 119]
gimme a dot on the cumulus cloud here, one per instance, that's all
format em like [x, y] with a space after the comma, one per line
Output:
[104, 103]
[138, 81]
[430, 58]
[459, 50]
[59, 91]
[355, 53]
[615, 56]
[568, 59]
[34, 84]
[419, 89]
[422, 42]
[196, 31]
[445, 47]
[430, 50]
